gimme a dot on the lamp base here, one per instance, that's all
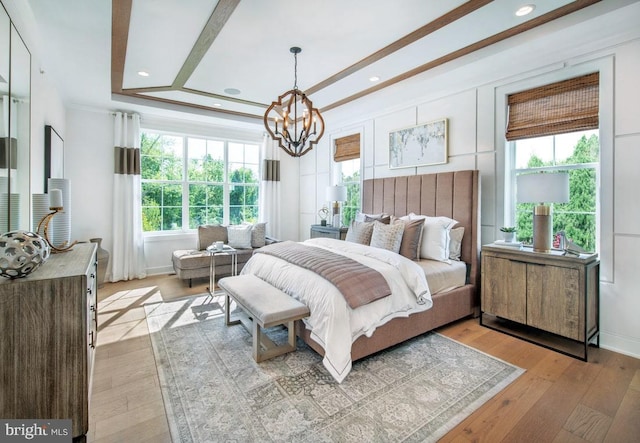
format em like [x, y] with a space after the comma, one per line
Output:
[542, 224]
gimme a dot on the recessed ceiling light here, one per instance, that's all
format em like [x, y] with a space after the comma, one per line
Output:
[217, 105]
[232, 91]
[375, 78]
[143, 74]
[524, 10]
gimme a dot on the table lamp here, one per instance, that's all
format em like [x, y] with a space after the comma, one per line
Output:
[336, 194]
[542, 188]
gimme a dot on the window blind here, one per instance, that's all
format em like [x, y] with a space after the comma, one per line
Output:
[347, 148]
[567, 106]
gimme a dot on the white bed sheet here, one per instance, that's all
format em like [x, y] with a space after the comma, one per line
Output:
[444, 276]
[333, 324]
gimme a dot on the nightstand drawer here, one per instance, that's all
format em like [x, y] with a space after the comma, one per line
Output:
[328, 232]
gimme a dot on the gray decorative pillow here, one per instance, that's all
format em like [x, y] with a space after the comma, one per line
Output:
[455, 243]
[209, 234]
[410, 245]
[382, 218]
[387, 236]
[258, 234]
[239, 236]
[359, 232]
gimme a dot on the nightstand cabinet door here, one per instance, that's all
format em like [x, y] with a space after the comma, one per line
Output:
[554, 300]
[504, 286]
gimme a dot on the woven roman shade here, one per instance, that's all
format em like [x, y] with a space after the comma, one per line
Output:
[566, 106]
[347, 148]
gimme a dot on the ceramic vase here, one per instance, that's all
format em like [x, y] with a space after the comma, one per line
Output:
[509, 237]
[103, 260]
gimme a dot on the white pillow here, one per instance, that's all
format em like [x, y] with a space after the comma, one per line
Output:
[387, 236]
[239, 236]
[434, 243]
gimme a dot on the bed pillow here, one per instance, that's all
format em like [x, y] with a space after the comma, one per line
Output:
[258, 234]
[383, 218]
[359, 232]
[455, 243]
[209, 234]
[239, 236]
[434, 244]
[387, 236]
[410, 245]
[361, 216]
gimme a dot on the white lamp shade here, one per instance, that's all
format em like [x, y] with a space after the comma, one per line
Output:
[336, 193]
[543, 188]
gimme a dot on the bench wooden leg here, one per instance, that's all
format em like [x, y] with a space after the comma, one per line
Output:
[227, 311]
[264, 348]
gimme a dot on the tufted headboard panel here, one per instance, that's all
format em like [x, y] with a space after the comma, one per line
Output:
[451, 194]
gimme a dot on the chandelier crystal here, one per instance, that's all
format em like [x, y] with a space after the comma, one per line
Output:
[292, 121]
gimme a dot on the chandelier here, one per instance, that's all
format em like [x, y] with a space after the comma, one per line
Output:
[292, 121]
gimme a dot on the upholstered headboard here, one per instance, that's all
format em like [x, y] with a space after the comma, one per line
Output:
[451, 194]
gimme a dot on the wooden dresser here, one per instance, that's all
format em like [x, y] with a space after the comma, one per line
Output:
[48, 325]
[547, 298]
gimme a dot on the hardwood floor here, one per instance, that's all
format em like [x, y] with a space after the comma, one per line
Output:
[558, 398]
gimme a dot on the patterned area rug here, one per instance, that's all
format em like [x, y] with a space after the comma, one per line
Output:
[214, 391]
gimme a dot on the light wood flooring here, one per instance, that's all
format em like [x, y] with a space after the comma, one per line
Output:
[558, 398]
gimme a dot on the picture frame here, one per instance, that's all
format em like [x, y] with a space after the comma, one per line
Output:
[53, 155]
[421, 145]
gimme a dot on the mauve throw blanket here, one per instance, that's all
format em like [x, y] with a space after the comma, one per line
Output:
[359, 284]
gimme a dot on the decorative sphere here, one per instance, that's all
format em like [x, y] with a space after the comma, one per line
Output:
[323, 213]
[21, 252]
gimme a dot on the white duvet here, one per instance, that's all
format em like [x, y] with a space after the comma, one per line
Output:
[333, 324]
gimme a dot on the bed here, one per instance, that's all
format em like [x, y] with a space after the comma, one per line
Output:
[450, 194]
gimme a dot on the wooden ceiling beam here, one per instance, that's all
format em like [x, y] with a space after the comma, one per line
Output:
[429, 28]
[216, 22]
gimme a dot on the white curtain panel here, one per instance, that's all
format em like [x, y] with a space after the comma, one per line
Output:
[127, 259]
[270, 190]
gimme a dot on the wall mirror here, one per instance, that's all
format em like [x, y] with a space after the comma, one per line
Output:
[15, 128]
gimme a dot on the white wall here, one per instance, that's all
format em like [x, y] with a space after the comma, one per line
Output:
[471, 92]
[89, 168]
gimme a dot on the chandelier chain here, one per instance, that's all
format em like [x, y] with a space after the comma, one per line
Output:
[295, 70]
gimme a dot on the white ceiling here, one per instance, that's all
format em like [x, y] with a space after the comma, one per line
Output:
[344, 43]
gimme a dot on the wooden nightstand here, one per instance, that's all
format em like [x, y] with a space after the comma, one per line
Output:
[546, 298]
[328, 231]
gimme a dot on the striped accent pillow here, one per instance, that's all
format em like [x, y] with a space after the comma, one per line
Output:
[359, 232]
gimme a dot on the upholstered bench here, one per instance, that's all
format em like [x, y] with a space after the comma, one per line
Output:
[267, 306]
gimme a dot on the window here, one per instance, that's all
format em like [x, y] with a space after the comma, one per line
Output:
[350, 177]
[578, 154]
[555, 128]
[347, 158]
[191, 181]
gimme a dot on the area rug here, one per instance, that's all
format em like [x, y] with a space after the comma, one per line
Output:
[213, 390]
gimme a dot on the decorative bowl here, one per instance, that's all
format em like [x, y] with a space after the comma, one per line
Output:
[21, 253]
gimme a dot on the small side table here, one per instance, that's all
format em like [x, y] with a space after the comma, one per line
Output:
[213, 252]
